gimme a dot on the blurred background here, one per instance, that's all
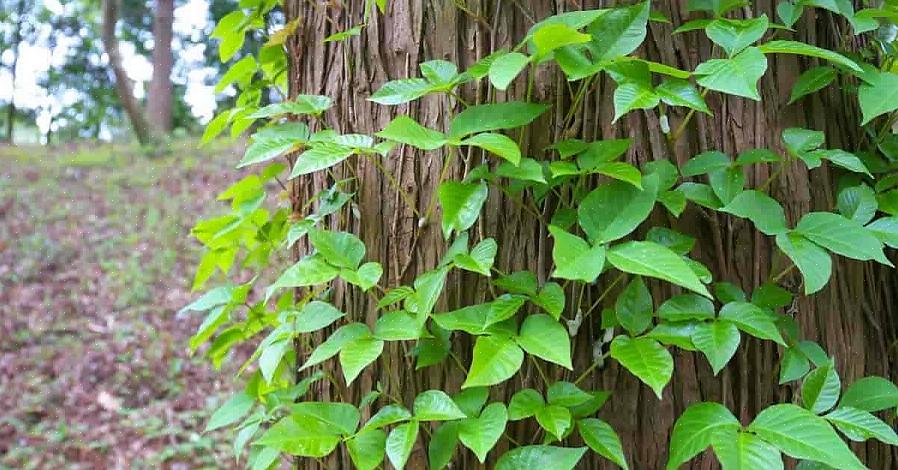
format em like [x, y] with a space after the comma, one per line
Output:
[102, 105]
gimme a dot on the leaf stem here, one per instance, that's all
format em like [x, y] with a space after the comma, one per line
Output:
[604, 294]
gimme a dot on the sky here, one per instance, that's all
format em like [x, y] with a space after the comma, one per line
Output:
[191, 18]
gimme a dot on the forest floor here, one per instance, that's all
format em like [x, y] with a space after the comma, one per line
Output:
[96, 259]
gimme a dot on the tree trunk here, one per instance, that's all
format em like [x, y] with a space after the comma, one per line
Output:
[16, 40]
[854, 318]
[160, 95]
[123, 84]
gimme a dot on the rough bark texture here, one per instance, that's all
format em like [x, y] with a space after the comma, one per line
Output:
[123, 84]
[160, 93]
[854, 318]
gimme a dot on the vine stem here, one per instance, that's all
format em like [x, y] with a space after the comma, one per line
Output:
[783, 273]
[539, 370]
[604, 294]
[443, 171]
[393, 182]
[592, 367]
[675, 136]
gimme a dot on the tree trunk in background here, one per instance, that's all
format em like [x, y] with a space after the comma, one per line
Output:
[123, 85]
[854, 318]
[16, 40]
[160, 95]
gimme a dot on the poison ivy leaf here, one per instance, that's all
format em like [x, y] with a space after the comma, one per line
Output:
[718, 7]
[679, 243]
[232, 410]
[753, 320]
[551, 299]
[686, 307]
[473, 319]
[543, 337]
[812, 81]
[471, 400]
[365, 277]
[355, 355]
[541, 458]
[480, 259]
[341, 417]
[737, 75]
[320, 156]
[396, 326]
[400, 442]
[841, 236]
[694, 430]
[302, 104]
[490, 117]
[735, 35]
[574, 258]
[793, 366]
[619, 171]
[602, 439]
[718, 340]
[552, 36]
[506, 67]
[701, 194]
[674, 201]
[677, 334]
[841, 158]
[814, 262]
[653, 260]
[566, 394]
[301, 435]
[801, 48]
[442, 445]
[615, 209]
[618, 32]
[629, 96]
[789, 12]
[801, 434]
[436, 405]
[859, 425]
[646, 359]
[341, 249]
[461, 204]
[878, 95]
[495, 360]
[367, 449]
[343, 35]
[556, 420]
[335, 343]
[706, 162]
[634, 307]
[678, 92]
[871, 394]
[387, 415]
[765, 212]
[314, 316]
[857, 203]
[441, 73]
[309, 271]
[407, 131]
[524, 404]
[482, 433]
[271, 142]
[800, 142]
[749, 157]
[738, 450]
[886, 230]
[498, 144]
[726, 184]
[771, 296]
[401, 91]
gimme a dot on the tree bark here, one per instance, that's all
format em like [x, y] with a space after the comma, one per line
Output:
[16, 40]
[123, 84]
[854, 318]
[160, 95]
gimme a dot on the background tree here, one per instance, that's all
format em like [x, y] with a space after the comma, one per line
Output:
[161, 92]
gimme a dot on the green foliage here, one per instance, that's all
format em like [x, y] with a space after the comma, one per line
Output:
[605, 230]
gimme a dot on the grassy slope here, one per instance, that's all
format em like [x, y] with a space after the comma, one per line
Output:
[95, 259]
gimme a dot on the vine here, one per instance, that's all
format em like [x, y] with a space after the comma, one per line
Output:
[590, 203]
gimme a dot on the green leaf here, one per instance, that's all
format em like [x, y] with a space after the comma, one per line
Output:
[799, 142]
[886, 230]
[335, 343]
[728, 183]
[841, 158]
[396, 326]
[686, 307]
[602, 439]
[751, 156]
[859, 425]
[871, 394]
[302, 104]
[745, 451]
[615, 209]
[365, 277]
[543, 337]
[706, 162]
[654, 260]
[552, 36]
[551, 299]
[490, 117]
[566, 394]
[678, 92]
[765, 212]
[556, 420]
[309, 271]
[701, 194]
[677, 334]
[482, 433]
[801, 434]
[753, 320]
[574, 258]
[506, 67]
[619, 171]
[231, 411]
[461, 204]
[401, 91]
[442, 445]
[367, 449]
[524, 404]
[842, 236]
[629, 96]
[811, 81]
[406, 130]
[793, 366]
[471, 400]
[737, 75]
[355, 355]
[320, 156]
[481, 258]
[341, 417]
[498, 144]
[695, 428]
[540, 458]
[527, 169]
[800, 48]
[857, 203]
[718, 340]
[271, 142]
[495, 360]
[301, 435]
[400, 443]
[387, 415]
[439, 72]
[878, 96]
[646, 359]
[343, 35]
[436, 405]
[634, 307]
[618, 32]
[814, 262]
[735, 35]
[341, 249]
[314, 316]
[789, 12]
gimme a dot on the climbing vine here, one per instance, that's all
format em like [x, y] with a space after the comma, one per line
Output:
[597, 203]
